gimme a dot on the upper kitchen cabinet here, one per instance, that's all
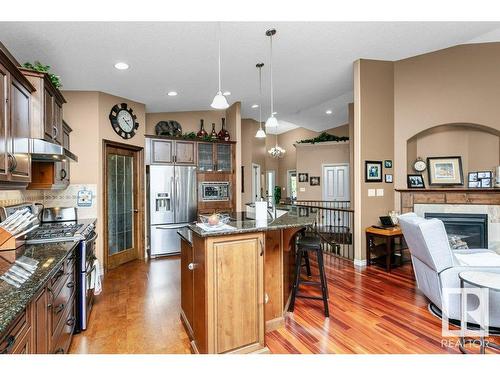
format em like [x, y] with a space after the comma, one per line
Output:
[46, 108]
[215, 157]
[169, 151]
[15, 121]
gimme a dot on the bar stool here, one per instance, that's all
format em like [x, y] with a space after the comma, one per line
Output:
[309, 243]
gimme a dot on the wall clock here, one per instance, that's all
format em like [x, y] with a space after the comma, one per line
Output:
[123, 120]
[419, 165]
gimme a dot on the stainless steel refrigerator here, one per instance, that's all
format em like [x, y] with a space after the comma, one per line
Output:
[172, 205]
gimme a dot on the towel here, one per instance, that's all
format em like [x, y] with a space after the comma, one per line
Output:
[95, 278]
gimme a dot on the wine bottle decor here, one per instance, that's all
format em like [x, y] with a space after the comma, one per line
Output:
[213, 134]
[202, 133]
[223, 133]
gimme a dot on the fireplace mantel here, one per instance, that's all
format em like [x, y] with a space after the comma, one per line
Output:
[410, 197]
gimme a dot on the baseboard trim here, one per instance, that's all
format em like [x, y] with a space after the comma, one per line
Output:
[360, 262]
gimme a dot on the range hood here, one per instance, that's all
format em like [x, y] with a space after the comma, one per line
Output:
[42, 150]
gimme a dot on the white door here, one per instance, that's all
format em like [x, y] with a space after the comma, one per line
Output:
[271, 183]
[336, 182]
[255, 182]
[292, 184]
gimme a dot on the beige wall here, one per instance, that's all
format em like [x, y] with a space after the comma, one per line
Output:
[374, 135]
[253, 150]
[311, 158]
[455, 85]
[87, 114]
[289, 161]
[190, 121]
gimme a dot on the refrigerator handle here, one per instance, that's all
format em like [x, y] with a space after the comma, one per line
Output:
[177, 197]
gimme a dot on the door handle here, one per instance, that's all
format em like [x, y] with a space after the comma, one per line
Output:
[261, 247]
[191, 266]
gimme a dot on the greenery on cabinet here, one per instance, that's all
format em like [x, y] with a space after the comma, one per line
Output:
[277, 194]
[325, 137]
[39, 67]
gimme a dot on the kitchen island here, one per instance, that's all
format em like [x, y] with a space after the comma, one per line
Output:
[236, 282]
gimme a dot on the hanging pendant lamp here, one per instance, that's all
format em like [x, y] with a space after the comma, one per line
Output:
[220, 101]
[260, 133]
[271, 122]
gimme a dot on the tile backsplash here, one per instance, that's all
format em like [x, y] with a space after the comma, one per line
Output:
[54, 198]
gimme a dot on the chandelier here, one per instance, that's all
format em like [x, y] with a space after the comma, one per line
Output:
[277, 152]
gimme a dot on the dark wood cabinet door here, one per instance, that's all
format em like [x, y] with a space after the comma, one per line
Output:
[48, 110]
[187, 281]
[41, 323]
[57, 127]
[4, 120]
[20, 132]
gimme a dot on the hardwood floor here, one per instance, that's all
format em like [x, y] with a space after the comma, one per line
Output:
[371, 311]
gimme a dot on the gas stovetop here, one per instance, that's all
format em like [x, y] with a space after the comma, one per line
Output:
[59, 231]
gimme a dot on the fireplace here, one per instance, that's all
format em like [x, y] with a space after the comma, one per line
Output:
[469, 228]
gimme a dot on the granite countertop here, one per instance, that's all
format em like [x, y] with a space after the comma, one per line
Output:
[14, 300]
[296, 217]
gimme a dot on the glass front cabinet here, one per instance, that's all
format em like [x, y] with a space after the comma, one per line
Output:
[215, 157]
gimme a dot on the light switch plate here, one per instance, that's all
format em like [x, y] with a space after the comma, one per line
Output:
[302, 190]
[380, 192]
[371, 192]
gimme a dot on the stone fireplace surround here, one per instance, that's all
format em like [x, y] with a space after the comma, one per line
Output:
[457, 200]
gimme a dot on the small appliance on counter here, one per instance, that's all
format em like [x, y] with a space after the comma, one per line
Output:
[59, 224]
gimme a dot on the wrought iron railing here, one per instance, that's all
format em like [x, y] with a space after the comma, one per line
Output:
[335, 225]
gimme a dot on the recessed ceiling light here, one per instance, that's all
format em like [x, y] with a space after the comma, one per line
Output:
[275, 113]
[121, 66]
[329, 112]
[172, 93]
[255, 106]
[226, 93]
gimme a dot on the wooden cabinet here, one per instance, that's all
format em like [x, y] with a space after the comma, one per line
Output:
[227, 284]
[167, 151]
[53, 176]
[185, 152]
[46, 108]
[187, 291]
[15, 122]
[215, 157]
[20, 169]
[47, 323]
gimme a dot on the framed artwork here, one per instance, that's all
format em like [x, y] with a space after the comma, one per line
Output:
[482, 179]
[484, 174]
[445, 170]
[416, 181]
[388, 178]
[373, 171]
[303, 177]
[314, 181]
[387, 163]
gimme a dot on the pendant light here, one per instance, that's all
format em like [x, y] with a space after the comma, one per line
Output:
[260, 133]
[220, 101]
[271, 122]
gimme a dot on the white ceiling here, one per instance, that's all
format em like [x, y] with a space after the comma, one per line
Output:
[312, 61]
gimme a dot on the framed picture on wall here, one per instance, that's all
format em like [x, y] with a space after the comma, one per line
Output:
[388, 178]
[303, 177]
[445, 170]
[373, 171]
[314, 181]
[387, 163]
[416, 181]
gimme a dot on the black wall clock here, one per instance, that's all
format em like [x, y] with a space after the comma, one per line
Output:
[123, 120]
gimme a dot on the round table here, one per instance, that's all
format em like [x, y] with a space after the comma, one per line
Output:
[486, 281]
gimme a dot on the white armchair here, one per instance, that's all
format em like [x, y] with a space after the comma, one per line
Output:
[437, 266]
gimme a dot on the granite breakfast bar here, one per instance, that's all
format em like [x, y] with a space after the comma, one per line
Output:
[235, 283]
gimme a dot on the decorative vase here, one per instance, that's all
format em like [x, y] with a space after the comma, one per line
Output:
[213, 134]
[224, 134]
[202, 133]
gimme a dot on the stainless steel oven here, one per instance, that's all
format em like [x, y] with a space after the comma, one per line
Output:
[215, 191]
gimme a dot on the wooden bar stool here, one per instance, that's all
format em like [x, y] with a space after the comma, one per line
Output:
[309, 243]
